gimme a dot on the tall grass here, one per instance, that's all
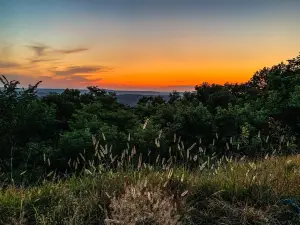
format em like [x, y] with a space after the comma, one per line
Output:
[189, 187]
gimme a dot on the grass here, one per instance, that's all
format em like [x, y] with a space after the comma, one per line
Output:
[228, 192]
[126, 190]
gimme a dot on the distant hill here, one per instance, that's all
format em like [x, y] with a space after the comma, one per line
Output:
[130, 98]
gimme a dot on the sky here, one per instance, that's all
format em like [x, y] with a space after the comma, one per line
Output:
[144, 44]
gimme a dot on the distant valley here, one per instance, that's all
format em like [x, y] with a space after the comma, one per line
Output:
[130, 98]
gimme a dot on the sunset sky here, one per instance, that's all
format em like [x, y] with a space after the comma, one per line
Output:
[144, 44]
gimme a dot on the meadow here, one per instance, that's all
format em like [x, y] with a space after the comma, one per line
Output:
[217, 191]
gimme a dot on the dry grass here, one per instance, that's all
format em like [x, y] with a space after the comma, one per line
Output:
[140, 204]
[223, 191]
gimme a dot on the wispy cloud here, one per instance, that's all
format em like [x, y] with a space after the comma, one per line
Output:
[41, 53]
[39, 49]
[70, 51]
[45, 77]
[49, 81]
[43, 50]
[75, 70]
[41, 60]
[44, 53]
[55, 73]
[6, 65]
[84, 79]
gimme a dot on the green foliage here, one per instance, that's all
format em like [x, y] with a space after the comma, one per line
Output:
[24, 120]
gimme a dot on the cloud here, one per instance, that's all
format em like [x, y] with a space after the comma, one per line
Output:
[43, 50]
[6, 65]
[84, 81]
[45, 53]
[51, 75]
[45, 77]
[41, 60]
[50, 81]
[41, 53]
[77, 78]
[74, 70]
[39, 49]
[70, 51]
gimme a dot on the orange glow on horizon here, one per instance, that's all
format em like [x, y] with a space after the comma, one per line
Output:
[147, 67]
[148, 73]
